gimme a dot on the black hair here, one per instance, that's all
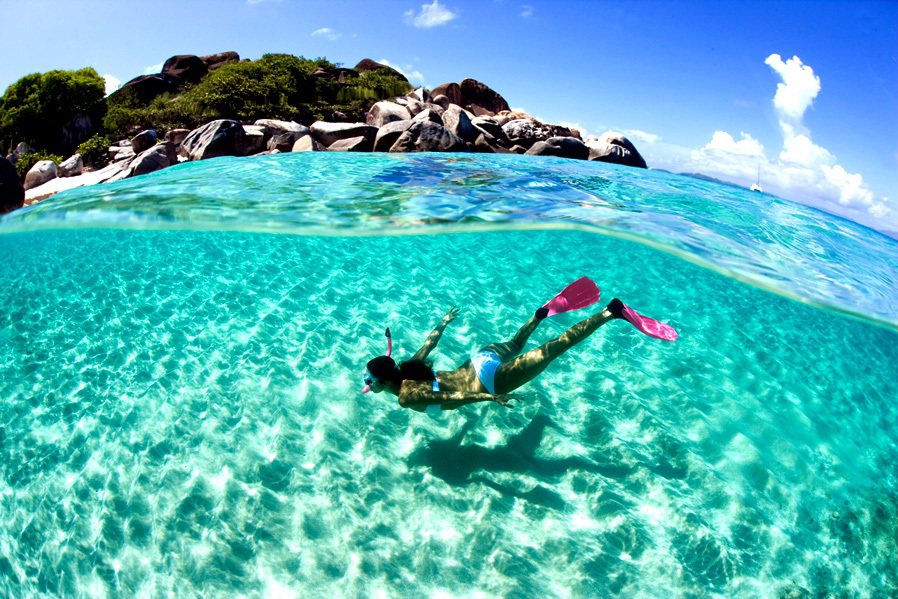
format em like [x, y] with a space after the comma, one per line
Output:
[385, 369]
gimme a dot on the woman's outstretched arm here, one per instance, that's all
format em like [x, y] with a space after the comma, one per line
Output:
[418, 396]
[435, 335]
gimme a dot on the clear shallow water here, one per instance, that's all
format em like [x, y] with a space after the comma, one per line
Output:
[180, 414]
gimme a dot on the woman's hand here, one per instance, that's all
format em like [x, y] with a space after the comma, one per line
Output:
[450, 316]
[503, 400]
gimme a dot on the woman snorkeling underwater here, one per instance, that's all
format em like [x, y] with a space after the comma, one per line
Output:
[497, 370]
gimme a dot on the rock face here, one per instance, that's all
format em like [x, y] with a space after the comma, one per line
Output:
[185, 69]
[476, 94]
[256, 138]
[275, 127]
[429, 115]
[283, 142]
[426, 136]
[176, 136]
[71, 167]
[353, 144]
[451, 90]
[12, 193]
[158, 157]
[307, 143]
[143, 141]
[366, 64]
[456, 121]
[147, 87]
[389, 133]
[218, 138]
[328, 133]
[615, 148]
[214, 61]
[565, 147]
[523, 132]
[386, 112]
[40, 173]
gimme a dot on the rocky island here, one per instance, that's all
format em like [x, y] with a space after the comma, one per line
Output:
[333, 109]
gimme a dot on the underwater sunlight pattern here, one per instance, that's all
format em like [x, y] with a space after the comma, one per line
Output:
[179, 387]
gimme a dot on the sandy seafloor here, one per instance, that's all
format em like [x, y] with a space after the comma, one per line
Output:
[180, 416]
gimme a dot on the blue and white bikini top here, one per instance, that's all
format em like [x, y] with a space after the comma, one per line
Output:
[434, 408]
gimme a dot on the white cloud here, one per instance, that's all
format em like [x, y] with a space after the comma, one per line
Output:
[431, 15]
[526, 11]
[801, 170]
[414, 76]
[153, 69]
[799, 87]
[326, 33]
[642, 136]
[112, 83]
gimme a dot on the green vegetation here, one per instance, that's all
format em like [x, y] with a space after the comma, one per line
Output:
[95, 151]
[40, 108]
[46, 110]
[24, 163]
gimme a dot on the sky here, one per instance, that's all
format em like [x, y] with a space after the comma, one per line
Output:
[801, 95]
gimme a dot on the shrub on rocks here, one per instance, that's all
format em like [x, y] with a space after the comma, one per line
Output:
[25, 162]
[95, 151]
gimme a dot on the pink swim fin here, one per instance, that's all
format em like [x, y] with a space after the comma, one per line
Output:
[579, 294]
[649, 326]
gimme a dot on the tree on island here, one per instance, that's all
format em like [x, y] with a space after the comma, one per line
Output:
[54, 111]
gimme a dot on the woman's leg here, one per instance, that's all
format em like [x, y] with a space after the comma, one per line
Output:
[525, 368]
[508, 350]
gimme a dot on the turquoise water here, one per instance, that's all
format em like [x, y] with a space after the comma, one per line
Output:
[180, 387]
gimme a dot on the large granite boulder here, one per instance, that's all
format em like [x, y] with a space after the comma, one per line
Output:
[72, 167]
[146, 88]
[307, 143]
[353, 144]
[144, 141]
[426, 136]
[283, 142]
[214, 61]
[276, 127]
[366, 64]
[328, 133]
[218, 138]
[420, 94]
[386, 112]
[256, 138]
[451, 91]
[429, 115]
[185, 69]
[457, 121]
[565, 147]
[478, 95]
[40, 173]
[176, 136]
[389, 133]
[12, 193]
[524, 132]
[158, 157]
[615, 148]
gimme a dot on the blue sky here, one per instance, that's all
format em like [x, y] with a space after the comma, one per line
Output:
[807, 91]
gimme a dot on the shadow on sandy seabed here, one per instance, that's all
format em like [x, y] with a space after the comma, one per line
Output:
[456, 463]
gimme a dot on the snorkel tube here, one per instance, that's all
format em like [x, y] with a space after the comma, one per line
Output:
[368, 378]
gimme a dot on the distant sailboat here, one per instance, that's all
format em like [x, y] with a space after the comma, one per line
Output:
[757, 186]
